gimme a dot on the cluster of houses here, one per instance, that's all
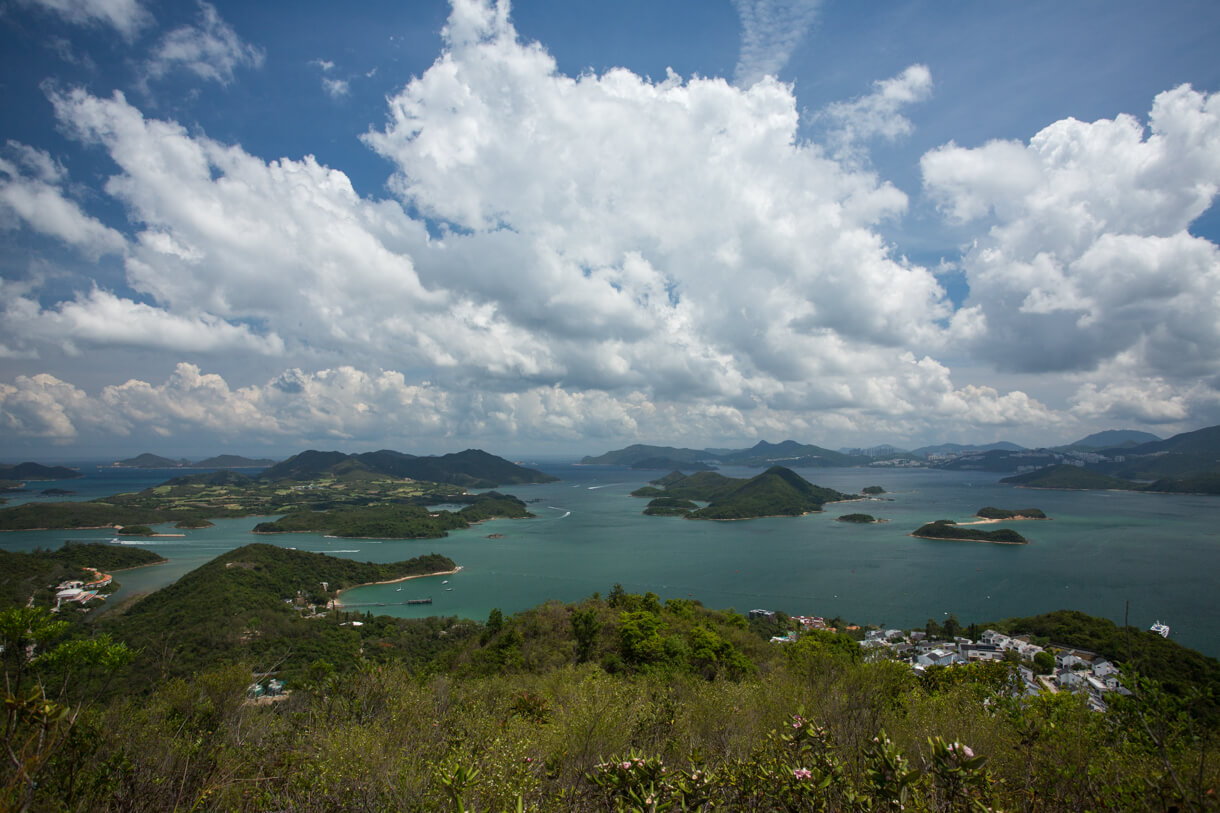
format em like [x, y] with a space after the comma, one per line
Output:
[1073, 670]
[82, 591]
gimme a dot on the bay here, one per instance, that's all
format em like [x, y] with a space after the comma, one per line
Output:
[1101, 553]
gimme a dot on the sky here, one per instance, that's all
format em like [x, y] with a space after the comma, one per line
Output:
[564, 227]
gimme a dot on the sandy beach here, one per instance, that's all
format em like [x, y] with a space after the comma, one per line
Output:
[338, 604]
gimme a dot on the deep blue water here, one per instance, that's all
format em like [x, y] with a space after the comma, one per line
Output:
[1100, 551]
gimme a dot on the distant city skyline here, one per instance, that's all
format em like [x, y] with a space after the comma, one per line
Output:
[561, 228]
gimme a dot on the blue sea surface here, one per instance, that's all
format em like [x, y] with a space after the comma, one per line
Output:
[1106, 553]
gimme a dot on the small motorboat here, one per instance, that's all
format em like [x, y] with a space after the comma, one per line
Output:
[1160, 629]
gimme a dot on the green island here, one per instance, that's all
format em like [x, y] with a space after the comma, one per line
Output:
[245, 685]
[777, 492]
[948, 529]
[1005, 513]
[670, 507]
[310, 481]
[391, 521]
[860, 519]
[872, 491]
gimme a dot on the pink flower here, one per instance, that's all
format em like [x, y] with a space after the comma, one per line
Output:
[626, 766]
[802, 773]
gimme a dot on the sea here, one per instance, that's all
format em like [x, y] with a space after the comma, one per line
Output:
[1120, 555]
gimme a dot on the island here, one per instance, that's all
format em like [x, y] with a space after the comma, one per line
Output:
[36, 471]
[872, 491]
[1005, 513]
[949, 530]
[390, 521]
[777, 492]
[859, 519]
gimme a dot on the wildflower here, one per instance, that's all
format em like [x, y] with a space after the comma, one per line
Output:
[626, 766]
[802, 773]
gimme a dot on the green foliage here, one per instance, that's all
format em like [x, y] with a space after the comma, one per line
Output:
[857, 518]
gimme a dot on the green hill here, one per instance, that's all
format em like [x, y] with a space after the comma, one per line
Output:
[1114, 438]
[250, 602]
[151, 461]
[1204, 442]
[776, 492]
[1068, 477]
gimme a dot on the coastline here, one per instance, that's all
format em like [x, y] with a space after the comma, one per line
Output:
[987, 521]
[963, 539]
[337, 603]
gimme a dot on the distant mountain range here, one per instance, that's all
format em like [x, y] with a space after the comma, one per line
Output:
[761, 455]
[1185, 463]
[224, 461]
[472, 468]
[36, 471]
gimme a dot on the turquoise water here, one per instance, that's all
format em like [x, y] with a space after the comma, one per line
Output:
[1160, 553]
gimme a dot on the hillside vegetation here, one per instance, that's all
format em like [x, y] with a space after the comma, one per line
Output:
[621, 703]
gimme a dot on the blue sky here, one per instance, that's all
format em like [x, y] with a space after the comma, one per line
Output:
[570, 226]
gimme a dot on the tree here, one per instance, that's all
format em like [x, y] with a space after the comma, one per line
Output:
[42, 679]
[1044, 663]
[953, 627]
[585, 626]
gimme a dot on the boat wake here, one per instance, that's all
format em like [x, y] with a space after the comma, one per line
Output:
[607, 485]
[566, 513]
[349, 550]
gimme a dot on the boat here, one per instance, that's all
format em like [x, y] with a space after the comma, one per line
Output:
[450, 589]
[446, 581]
[1160, 629]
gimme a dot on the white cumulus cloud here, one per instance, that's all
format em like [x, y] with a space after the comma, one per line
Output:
[1086, 254]
[211, 50]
